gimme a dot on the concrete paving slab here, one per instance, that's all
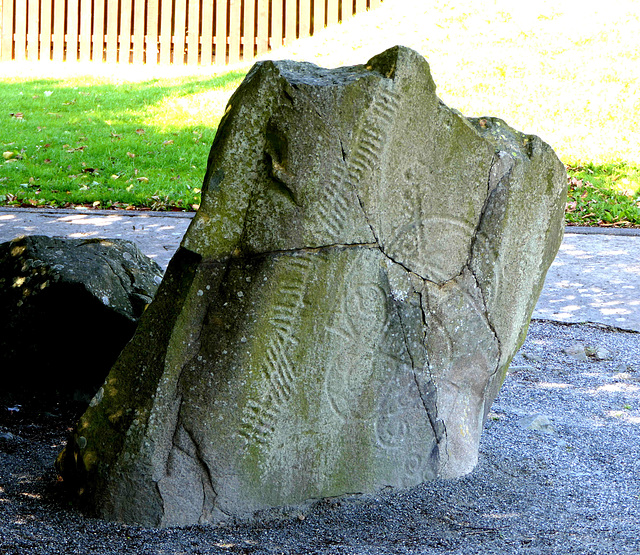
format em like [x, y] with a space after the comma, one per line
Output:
[595, 277]
[157, 234]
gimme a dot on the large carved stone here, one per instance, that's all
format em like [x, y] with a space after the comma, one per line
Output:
[342, 310]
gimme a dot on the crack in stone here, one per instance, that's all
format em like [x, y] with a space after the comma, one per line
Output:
[364, 213]
[308, 250]
[157, 485]
[204, 466]
[344, 159]
[424, 301]
[430, 418]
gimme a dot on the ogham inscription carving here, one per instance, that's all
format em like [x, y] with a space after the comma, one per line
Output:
[260, 416]
[374, 133]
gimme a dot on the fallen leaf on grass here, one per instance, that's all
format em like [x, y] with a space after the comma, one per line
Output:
[169, 142]
[143, 179]
[131, 155]
[140, 131]
[17, 115]
[8, 155]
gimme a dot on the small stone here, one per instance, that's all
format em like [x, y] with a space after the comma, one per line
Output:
[602, 354]
[538, 423]
[576, 351]
[625, 368]
[9, 437]
[532, 357]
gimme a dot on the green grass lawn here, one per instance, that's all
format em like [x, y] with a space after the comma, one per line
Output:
[565, 71]
[88, 140]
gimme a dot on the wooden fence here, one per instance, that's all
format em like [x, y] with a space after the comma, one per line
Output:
[162, 31]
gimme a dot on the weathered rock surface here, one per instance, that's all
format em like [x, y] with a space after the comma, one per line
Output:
[68, 307]
[343, 309]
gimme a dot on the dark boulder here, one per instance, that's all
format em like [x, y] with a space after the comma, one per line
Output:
[67, 308]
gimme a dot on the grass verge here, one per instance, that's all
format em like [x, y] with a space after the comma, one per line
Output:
[606, 195]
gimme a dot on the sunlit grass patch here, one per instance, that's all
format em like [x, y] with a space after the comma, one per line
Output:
[91, 141]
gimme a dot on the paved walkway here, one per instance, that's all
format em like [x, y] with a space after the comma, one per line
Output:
[595, 277]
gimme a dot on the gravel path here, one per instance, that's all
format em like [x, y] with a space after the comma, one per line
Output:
[571, 487]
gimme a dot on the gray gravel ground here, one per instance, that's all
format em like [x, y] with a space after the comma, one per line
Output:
[573, 487]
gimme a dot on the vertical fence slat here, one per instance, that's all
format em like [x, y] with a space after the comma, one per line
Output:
[138, 31]
[124, 34]
[72, 30]
[7, 31]
[318, 15]
[234, 31]
[151, 42]
[33, 25]
[111, 54]
[21, 30]
[332, 12]
[112, 31]
[346, 10]
[276, 23]
[85, 30]
[249, 30]
[361, 6]
[206, 53]
[262, 42]
[291, 19]
[220, 54]
[98, 31]
[305, 18]
[166, 11]
[193, 32]
[45, 30]
[180, 21]
[58, 30]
